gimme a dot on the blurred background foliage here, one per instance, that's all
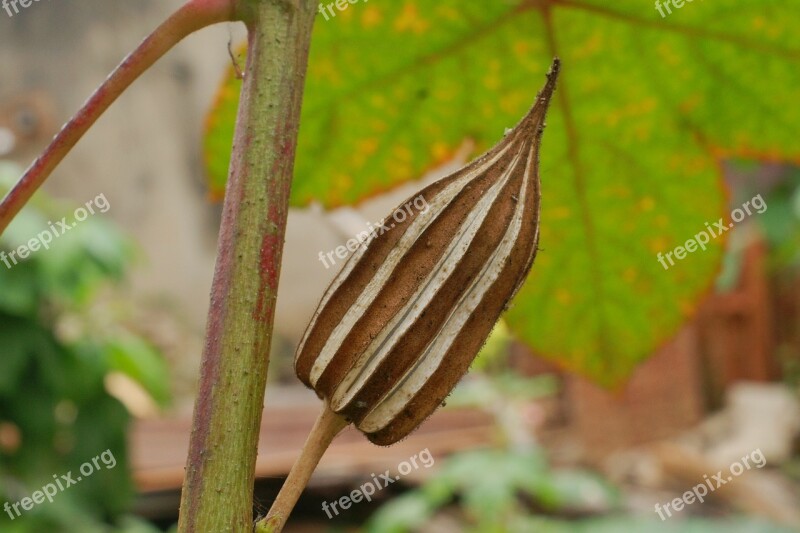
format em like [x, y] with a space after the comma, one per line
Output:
[59, 350]
[513, 487]
[781, 225]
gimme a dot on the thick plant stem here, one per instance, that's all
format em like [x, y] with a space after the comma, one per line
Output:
[328, 425]
[218, 488]
[192, 16]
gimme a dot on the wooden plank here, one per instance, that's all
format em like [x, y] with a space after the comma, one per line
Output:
[158, 447]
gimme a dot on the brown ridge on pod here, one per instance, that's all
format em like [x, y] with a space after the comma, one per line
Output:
[404, 319]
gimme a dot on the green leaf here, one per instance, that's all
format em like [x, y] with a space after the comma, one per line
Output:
[138, 360]
[407, 512]
[20, 293]
[77, 262]
[17, 337]
[574, 491]
[616, 524]
[646, 109]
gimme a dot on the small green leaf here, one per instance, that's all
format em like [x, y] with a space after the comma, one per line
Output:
[406, 513]
[135, 358]
[16, 338]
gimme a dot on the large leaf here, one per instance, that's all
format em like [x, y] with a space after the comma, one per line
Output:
[646, 109]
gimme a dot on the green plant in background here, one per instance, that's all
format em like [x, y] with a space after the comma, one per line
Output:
[511, 487]
[781, 228]
[781, 224]
[497, 490]
[55, 411]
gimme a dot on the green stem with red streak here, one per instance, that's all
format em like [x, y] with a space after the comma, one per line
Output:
[218, 488]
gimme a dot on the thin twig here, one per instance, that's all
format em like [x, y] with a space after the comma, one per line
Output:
[234, 61]
[327, 426]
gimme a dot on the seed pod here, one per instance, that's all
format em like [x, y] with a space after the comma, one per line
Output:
[408, 313]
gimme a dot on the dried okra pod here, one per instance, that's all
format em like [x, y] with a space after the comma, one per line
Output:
[408, 313]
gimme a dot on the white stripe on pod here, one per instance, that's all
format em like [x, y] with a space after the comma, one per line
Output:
[437, 205]
[380, 347]
[335, 284]
[402, 393]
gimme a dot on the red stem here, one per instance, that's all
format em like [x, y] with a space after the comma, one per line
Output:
[192, 16]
